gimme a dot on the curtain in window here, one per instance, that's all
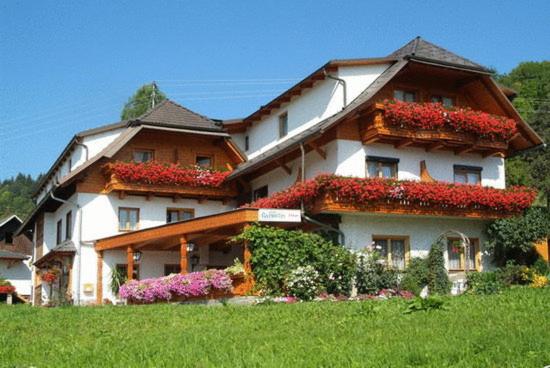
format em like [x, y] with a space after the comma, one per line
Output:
[398, 254]
[454, 249]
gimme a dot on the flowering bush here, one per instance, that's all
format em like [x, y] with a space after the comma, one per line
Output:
[166, 174]
[304, 283]
[434, 116]
[195, 284]
[365, 191]
[6, 287]
[539, 281]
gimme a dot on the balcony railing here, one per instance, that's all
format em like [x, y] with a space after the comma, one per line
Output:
[167, 180]
[434, 127]
[330, 193]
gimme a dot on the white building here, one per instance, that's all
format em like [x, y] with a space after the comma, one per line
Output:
[331, 121]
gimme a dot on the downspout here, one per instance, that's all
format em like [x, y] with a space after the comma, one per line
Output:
[342, 82]
[85, 148]
[302, 207]
[79, 243]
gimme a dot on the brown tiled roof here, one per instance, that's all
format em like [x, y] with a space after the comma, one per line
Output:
[170, 114]
[420, 49]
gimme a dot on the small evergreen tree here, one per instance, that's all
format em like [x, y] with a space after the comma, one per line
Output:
[438, 280]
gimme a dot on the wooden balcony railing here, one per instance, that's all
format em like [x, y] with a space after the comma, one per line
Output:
[374, 127]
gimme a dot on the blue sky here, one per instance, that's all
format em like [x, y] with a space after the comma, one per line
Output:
[68, 66]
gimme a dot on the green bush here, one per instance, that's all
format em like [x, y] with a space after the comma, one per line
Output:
[541, 267]
[484, 283]
[438, 280]
[304, 283]
[425, 304]
[277, 252]
[372, 275]
[514, 274]
[416, 275]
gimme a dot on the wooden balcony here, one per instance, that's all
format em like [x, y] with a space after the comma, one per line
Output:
[114, 184]
[375, 129]
[330, 204]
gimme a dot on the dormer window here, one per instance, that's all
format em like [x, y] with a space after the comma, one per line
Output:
[382, 167]
[405, 96]
[467, 174]
[143, 155]
[204, 161]
[444, 100]
[283, 125]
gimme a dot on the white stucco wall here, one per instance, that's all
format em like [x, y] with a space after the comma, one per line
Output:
[323, 100]
[422, 231]
[18, 273]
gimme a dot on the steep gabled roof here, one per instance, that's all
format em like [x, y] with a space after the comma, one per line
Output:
[421, 49]
[170, 114]
[8, 218]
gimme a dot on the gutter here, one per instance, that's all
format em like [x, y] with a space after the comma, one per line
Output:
[79, 243]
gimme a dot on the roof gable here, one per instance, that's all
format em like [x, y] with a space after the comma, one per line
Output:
[421, 49]
[170, 114]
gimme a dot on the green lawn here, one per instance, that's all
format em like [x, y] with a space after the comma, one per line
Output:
[512, 329]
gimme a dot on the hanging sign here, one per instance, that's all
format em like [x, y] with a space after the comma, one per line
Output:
[275, 215]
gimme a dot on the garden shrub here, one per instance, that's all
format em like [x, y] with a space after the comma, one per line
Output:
[415, 276]
[484, 283]
[514, 274]
[425, 304]
[277, 252]
[541, 267]
[304, 283]
[372, 275]
[438, 279]
[539, 281]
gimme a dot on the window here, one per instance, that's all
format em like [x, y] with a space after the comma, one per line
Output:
[405, 96]
[393, 250]
[246, 143]
[260, 193]
[171, 268]
[69, 225]
[70, 165]
[59, 229]
[122, 269]
[179, 214]
[445, 101]
[382, 167]
[283, 125]
[143, 155]
[456, 257]
[467, 174]
[128, 218]
[8, 238]
[203, 161]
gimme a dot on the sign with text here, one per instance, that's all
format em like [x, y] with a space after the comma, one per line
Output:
[274, 215]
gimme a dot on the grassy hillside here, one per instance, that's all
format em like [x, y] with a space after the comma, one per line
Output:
[512, 329]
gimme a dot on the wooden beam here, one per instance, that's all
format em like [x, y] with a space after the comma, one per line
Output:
[175, 198]
[121, 194]
[99, 278]
[492, 153]
[148, 196]
[404, 143]
[463, 150]
[130, 262]
[319, 150]
[183, 255]
[284, 167]
[372, 140]
[435, 146]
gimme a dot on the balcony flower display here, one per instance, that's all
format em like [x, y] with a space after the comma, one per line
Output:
[156, 173]
[6, 287]
[434, 116]
[367, 191]
[195, 284]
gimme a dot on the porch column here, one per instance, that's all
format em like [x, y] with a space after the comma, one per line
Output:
[246, 254]
[130, 261]
[99, 280]
[183, 255]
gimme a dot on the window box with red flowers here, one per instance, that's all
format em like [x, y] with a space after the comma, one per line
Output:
[166, 178]
[336, 193]
[7, 289]
[432, 122]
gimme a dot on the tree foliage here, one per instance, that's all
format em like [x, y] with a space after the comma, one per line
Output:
[532, 82]
[141, 101]
[16, 195]
[438, 279]
[513, 238]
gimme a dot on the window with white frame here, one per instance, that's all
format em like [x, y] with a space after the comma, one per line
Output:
[128, 218]
[467, 174]
[456, 254]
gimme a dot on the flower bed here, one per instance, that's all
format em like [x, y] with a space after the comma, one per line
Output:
[166, 174]
[365, 191]
[7, 289]
[434, 116]
[191, 285]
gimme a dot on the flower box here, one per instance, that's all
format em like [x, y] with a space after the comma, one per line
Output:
[7, 289]
[327, 193]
